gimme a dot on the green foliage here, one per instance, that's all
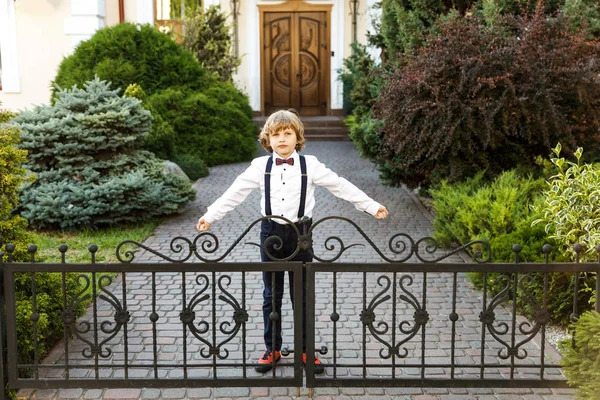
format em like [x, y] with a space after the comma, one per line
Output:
[499, 212]
[571, 207]
[360, 81]
[49, 306]
[193, 166]
[207, 37]
[478, 98]
[583, 12]
[161, 139]
[12, 176]
[357, 66]
[83, 151]
[190, 7]
[211, 124]
[125, 54]
[405, 24]
[581, 362]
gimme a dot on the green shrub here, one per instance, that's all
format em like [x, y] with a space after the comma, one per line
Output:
[500, 212]
[210, 125]
[162, 137]
[49, 295]
[207, 36]
[571, 206]
[190, 7]
[83, 151]
[193, 166]
[476, 210]
[12, 176]
[480, 97]
[581, 363]
[583, 12]
[358, 66]
[127, 54]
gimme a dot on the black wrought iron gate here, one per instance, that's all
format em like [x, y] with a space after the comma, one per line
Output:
[412, 321]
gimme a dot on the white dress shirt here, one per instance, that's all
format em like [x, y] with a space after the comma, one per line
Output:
[285, 189]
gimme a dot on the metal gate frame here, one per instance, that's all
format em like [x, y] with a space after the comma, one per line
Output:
[397, 264]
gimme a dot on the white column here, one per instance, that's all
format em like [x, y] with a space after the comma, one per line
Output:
[11, 82]
[87, 16]
[253, 53]
[373, 15]
[337, 46]
[145, 12]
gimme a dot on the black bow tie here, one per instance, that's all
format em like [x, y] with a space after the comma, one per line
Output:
[288, 161]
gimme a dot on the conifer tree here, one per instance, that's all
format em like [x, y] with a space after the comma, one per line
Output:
[207, 37]
[83, 151]
[12, 176]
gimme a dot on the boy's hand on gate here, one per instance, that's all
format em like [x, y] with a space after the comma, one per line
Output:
[202, 225]
[382, 213]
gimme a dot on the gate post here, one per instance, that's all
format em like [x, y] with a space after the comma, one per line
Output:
[3, 366]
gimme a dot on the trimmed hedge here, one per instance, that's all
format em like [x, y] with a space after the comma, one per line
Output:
[198, 116]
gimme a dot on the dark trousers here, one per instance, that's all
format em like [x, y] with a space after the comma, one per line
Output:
[273, 295]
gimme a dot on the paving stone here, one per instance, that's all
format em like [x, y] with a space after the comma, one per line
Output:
[122, 394]
[70, 393]
[93, 394]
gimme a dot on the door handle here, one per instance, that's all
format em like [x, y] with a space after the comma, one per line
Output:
[298, 76]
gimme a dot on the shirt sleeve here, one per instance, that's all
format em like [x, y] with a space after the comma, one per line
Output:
[236, 194]
[340, 187]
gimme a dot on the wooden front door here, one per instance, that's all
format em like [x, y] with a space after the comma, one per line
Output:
[295, 62]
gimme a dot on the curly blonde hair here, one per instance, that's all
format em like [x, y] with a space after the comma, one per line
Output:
[278, 121]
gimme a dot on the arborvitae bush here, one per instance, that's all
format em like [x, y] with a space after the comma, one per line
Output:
[127, 54]
[405, 24]
[207, 36]
[161, 139]
[581, 362]
[12, 176]
[209, 124]
[480, 97]
[83, 151]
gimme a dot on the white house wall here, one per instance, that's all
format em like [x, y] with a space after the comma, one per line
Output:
[10, 77]
[41, 43]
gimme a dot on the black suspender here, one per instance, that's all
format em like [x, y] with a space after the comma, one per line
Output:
[303, 186]
[268, 186]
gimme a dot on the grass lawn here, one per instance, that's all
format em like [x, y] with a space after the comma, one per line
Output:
[106, 239]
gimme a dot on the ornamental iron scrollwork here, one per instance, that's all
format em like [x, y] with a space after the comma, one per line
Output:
[541, 317]
[239, 317]
[111, 328]
[420, 317]
[401, 245]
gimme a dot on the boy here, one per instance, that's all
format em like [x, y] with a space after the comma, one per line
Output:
[287, 182]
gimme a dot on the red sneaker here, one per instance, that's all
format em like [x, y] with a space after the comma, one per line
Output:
[265, 363]
[319, 368]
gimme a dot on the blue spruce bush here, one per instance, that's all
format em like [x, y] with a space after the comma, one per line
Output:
[84, 152]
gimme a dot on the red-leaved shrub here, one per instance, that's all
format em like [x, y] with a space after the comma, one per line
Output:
[490, 97]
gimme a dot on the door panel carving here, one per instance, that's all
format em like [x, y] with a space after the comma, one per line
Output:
[295, 62]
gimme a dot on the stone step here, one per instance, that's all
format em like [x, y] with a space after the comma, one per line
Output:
[321, 128]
